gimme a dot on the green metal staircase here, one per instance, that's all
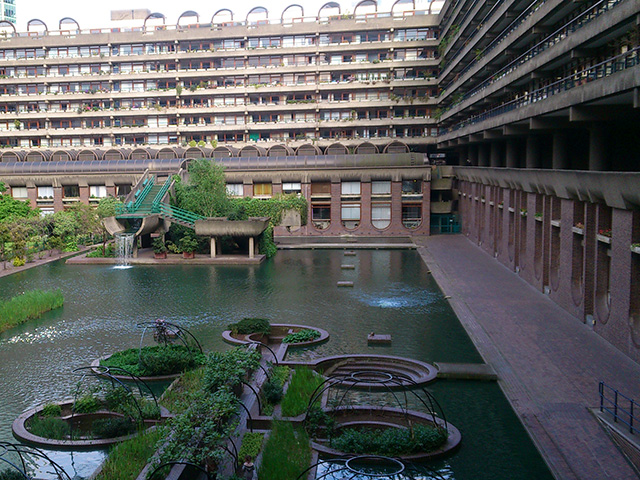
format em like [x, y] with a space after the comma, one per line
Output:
[147, 200]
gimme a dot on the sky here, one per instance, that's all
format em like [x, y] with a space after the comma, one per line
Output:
[96, 14]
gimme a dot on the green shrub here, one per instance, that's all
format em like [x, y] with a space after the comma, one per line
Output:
[272, 392]
[183, 391]
[251, 325]
[229, 368]
[87, 404]
[156, 360]
[286, 453]
[29, 305]
[302, 385]
[51, 410]
[49, 427]
[389, 441]
[18, 261]
[101, 252]
[304, 335]
[251, 445]
[112, 427]
[11, 474]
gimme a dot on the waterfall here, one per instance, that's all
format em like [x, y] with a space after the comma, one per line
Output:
[124, 249]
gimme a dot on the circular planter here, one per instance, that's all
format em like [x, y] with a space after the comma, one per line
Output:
[21, 433]
[385, 417]
[278, 332]
[98, 370]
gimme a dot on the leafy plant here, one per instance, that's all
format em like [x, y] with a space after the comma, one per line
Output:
[156, 360]
[251, 445]
[188, 244]
[11, 475]
[286, 453]
[49, 427]
[272, 392]
[127, 459]
[229, 368]
[304, 335]
[251, 325]
[159, 246]
[183, 391]
[112, 427]
[51, 410]
[86, 404]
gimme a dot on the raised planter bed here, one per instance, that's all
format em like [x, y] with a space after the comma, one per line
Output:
[278, 332]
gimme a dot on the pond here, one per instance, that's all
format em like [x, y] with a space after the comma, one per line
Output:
[392, 294]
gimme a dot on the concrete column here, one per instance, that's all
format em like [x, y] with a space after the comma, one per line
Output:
[560, 160]
[251, 247]
[58, 205]
[512, 153]
[496, 154]
[213, 247]
[597, 147]
[483, 155]
[533, 152]
[473, 155]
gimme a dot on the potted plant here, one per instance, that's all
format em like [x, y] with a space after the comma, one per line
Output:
[188, 245]
[159, 248]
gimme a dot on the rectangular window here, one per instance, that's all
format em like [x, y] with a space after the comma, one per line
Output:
[321, 188]
[98, 191]
[235, 189]
[351, 211]
[411, 215]
[261, 189]
[19, 192]
[350, 188]
[381, 187]
[45, 192]
[70, 191]
[411, 187]
[291, 187]
[381, 215]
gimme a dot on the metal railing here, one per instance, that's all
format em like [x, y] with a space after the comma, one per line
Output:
[163, 191]
[619, 405]
[610, 66]
[176, 213]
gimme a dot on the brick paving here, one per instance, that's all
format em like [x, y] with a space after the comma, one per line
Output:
[548, 362]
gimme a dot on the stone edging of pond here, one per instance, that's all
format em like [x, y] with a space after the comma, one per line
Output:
[20, 431]
[281, 331]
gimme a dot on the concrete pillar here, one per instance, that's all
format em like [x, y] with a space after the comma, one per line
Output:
[251, 247]
[483, 155]
[533, 152]
[213, 247]
[512, 153]
[496, 154]
[58, 205]
[473, 155]
[32, 195]
[597, 147]
[560, 159]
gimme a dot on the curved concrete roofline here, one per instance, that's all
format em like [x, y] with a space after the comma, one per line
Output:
[365, 3]
[257, 10]
[153, 15]
[330, 5]
[68, 20]
[188, 13]
[46, 29]
[291, 6]
[412, 2]
[220, 11]
[7, 22]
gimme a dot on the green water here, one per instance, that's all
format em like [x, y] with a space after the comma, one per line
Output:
[392, 293]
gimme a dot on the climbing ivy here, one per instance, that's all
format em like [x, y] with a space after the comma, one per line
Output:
[271, 207]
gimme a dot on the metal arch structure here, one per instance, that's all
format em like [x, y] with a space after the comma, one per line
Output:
[365, 3]
[37, 21]
[153, 16]
[256, 342]
[390, 382]
[181, 333]
[136, 379]
[347, 468]
[330, 5]
[23, 450]
[256, 10]
[8, 23]
[220, 11]
[187, 14]
[291, 6]
[254, 392]
[102, 374]
[68, 20]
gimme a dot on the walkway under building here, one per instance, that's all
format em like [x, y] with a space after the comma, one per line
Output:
[549, 364]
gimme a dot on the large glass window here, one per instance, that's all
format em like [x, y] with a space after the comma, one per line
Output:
[262, 190]
[381, 187]
[235, 189]
[350, 214]
[381, 215]
[411, 215]
[71, 191]
[291, 187]
[19, 192]
[321, 216]
[97, 191]
[411, 187]
[45, 192]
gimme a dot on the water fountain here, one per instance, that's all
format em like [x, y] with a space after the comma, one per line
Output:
[124, 249]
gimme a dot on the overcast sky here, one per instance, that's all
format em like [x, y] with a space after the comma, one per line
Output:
[96, 14]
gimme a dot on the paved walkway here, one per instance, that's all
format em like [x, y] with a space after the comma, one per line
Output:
[548, 363]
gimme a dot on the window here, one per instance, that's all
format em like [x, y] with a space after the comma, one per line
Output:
[321, 188]
[411, 187]
[19, 192]
[351, 188]
[45, 192]
[261, 189]
[350, 214]
[291, 187]
[123, 190]
[321, 216]
[381, 215]
[411, 215]
[72, 191]
[97, 191]
[235, 189]
[381, 187]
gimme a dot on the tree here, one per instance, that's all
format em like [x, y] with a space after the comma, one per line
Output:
[206, 192]
[5, 237]
[106, 208]
[10, 208]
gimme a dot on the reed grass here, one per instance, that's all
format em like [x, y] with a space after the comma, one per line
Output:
[302, 385]
[286, 453]
[126, 460]
[28, 306]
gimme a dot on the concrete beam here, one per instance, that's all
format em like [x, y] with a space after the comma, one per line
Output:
[554, 123]
[582, 53]
[515, 130]
[599, 113]
[492, 134]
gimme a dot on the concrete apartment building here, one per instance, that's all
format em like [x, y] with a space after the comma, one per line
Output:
[532, 104]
